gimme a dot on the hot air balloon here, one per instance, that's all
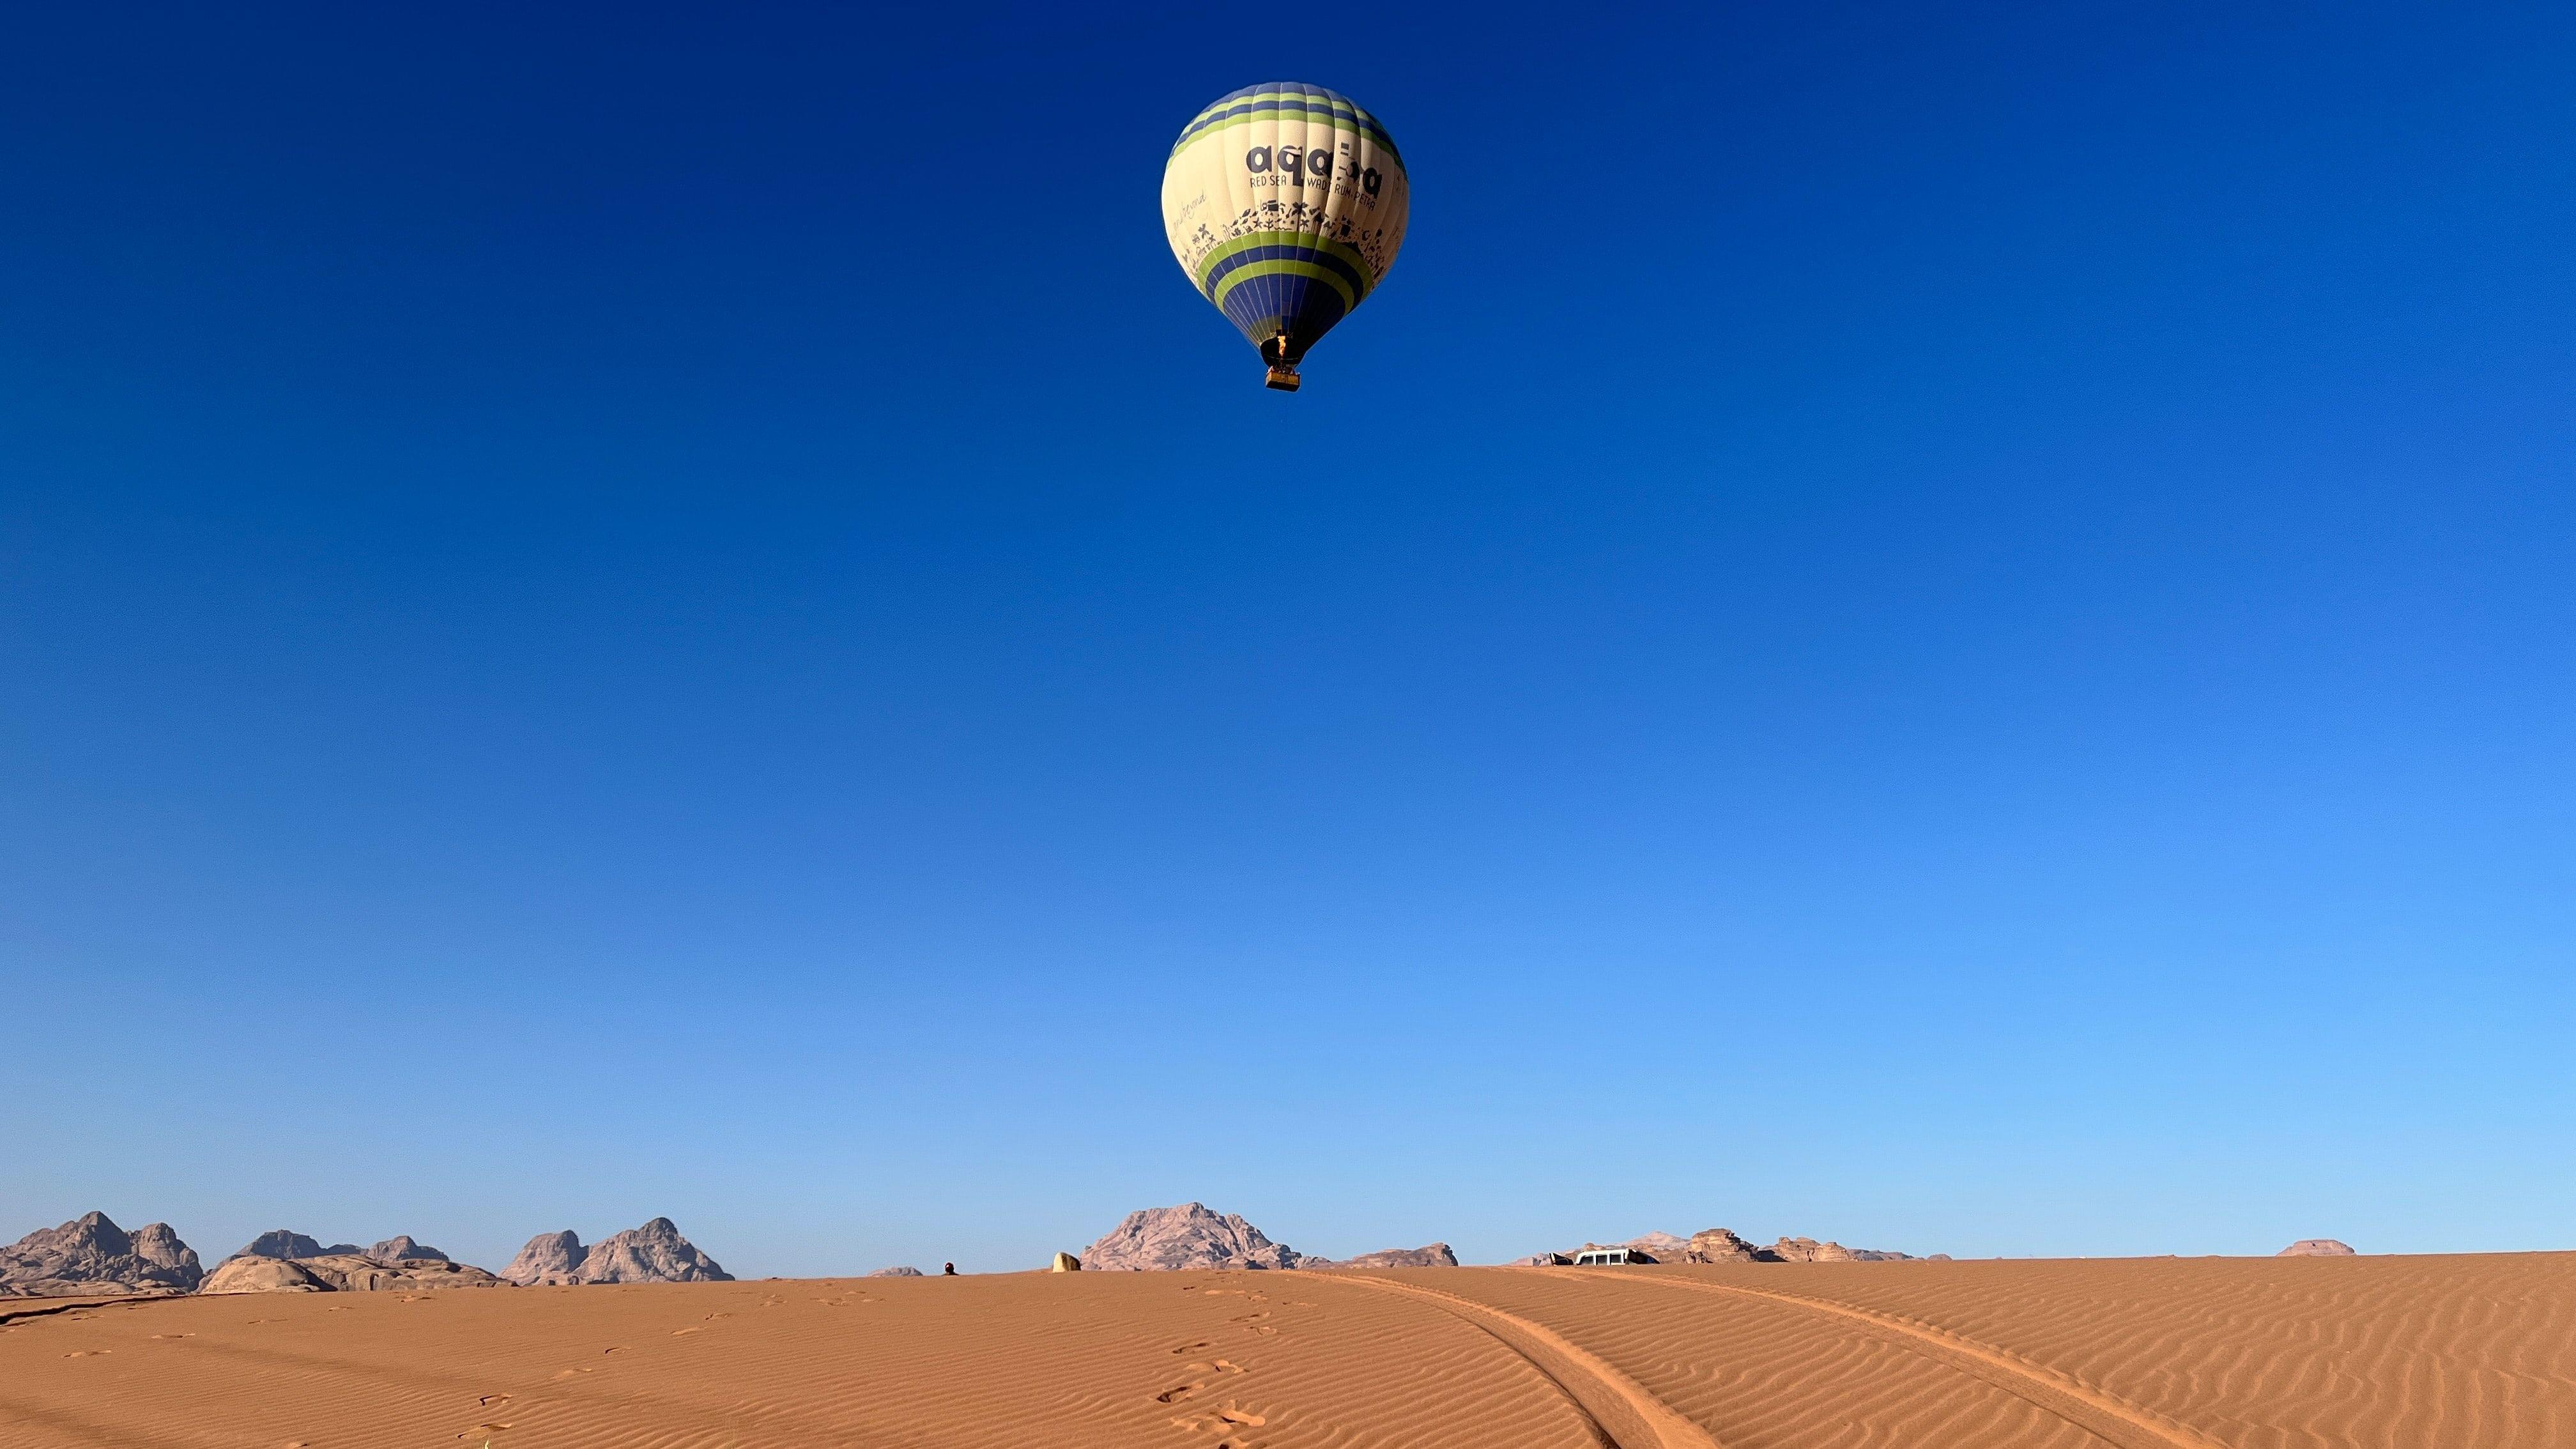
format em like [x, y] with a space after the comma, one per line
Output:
[1285, 203]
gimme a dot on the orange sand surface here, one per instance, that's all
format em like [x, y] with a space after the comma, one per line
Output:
[2476, 1351]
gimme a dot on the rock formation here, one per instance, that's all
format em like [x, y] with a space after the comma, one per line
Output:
[281, 1243]
[548, 1258]
[91, 1254]
[1064, 1263]
[653, 1253]
[1188, 1236]
[341, 1273]
[896, 1273]
[401, 1246]
[1433, 1255]
[1720, 1245]
[2316, 1248]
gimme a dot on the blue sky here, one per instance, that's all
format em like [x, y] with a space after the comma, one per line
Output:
[1948, 629]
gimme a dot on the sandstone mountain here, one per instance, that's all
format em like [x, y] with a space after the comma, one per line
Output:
[401, 1246]
[548, 1258]
[1435, 1255]
[341, 1273]
[653, 1253]
[2316, 1248]
[90, 1254]
[1188, 1236]
[281, 1243]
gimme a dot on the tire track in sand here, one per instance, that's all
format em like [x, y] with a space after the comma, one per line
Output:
[1625, 1413]
[2102, 1415]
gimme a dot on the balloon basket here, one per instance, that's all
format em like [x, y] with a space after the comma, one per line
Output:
[1283, 377]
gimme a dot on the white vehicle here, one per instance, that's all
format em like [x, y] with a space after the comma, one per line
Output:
[1603, 1257]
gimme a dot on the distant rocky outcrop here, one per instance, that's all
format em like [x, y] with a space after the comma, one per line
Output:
[1434, 1255]
[342, 1273]
[1720, 1245]
[653, 1253]
[548, 1258]
[1723, 1245]
[2317, 1248]
[401, 1246]
[1188, 1236]
[282, 1243]
[1064, 1263]
[896, 1273]
[91, 1254]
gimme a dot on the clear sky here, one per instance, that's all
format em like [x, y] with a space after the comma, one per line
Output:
[1951, 629]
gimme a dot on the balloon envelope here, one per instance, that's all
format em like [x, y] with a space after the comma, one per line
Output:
[1286, 204]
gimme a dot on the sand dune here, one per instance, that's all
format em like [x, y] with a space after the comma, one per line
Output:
[2472, 1351]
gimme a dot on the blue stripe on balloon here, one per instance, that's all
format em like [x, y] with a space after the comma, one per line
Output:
[1303, 307]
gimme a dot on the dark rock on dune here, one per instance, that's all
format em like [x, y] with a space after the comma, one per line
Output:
[1434, 1255]
[91, 1254]
[653, 1253]
[1187, 1236]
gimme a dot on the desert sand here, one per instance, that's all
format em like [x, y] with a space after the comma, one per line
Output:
[2475, 1351]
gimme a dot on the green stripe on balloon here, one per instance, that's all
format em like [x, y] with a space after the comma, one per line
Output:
[1286, 268]
[1340, 250]
[1312, 98]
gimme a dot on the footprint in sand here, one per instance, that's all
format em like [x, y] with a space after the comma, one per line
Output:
[481, 1431]
[488, 1400]
[1191, 1347]
[676, 1332]
[1222, 1421]
[574, 1372]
